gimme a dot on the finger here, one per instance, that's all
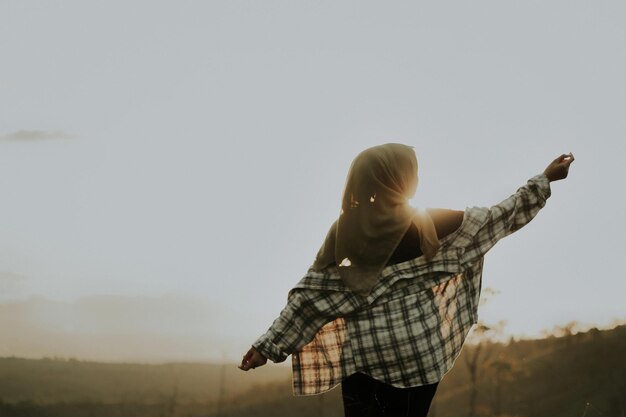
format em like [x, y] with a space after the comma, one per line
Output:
[246, 359]
[568, 162]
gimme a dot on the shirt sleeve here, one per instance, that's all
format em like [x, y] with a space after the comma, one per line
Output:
[483, 227]
[306, 312]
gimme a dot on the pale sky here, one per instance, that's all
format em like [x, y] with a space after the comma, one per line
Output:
[173, 167]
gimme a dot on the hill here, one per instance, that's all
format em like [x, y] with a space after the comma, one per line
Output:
[550, 377]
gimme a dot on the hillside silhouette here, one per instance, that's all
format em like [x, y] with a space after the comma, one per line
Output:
[570, 375]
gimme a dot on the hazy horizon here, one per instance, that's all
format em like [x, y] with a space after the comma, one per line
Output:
[169, 171]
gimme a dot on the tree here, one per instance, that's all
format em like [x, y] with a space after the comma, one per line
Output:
[476, 358]
[502, 370]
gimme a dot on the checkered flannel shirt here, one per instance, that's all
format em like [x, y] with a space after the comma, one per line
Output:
[410, 329]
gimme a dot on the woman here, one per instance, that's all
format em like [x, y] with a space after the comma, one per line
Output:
[393, 291]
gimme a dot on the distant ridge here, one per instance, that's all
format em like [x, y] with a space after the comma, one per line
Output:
[550, 377]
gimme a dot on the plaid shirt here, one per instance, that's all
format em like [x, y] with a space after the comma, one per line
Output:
[410, 329]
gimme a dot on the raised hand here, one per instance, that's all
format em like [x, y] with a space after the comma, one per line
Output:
[559, 168]
[252, 359]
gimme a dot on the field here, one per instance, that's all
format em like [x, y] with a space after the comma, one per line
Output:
[573, 375]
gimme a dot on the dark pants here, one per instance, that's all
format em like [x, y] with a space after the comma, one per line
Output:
[364, 396]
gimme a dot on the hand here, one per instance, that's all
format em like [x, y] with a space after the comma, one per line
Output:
[252, 359]
[558, 169]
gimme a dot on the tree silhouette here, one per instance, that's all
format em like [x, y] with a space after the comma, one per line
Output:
[477, 357]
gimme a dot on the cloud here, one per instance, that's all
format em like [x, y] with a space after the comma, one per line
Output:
[11, 284]
[116, 327]
[38, 135]
[10, 280]
[11, 276]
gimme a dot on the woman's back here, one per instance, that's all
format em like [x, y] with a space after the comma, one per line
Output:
[446, 221]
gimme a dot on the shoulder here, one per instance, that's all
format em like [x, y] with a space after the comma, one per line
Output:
[446, 220]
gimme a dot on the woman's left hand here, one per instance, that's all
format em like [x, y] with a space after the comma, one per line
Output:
[252, 359]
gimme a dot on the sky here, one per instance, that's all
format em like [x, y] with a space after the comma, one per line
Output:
[169, 170]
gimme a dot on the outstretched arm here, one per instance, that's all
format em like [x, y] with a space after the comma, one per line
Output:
[306, 312]
[483, 226]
